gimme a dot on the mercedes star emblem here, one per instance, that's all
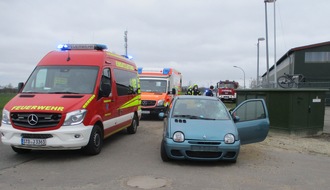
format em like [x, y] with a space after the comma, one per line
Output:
[32, 119]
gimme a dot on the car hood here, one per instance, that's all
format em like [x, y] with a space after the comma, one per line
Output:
[48, 102]
[195, 129]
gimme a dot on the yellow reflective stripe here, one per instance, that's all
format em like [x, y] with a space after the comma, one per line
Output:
[124, 65]
[106, 101]
[107, 114]
[89, 101]
[133, 102]
[115, 55]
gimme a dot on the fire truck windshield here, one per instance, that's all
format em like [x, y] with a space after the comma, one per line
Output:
[62, 80]
[152, 85]
[226, 85]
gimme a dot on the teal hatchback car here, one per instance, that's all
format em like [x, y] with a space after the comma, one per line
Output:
[202, 128]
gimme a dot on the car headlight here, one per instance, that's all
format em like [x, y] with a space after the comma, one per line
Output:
[5, 116]
[178, 137]
[160, 103]
[229, 138]
[75, 117]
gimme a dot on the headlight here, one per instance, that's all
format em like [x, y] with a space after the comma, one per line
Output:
[178, 137]
[75, 117]
[229, 138]
[160, 103]
[5, 117]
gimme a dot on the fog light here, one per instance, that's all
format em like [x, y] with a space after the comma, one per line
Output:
[77, 136]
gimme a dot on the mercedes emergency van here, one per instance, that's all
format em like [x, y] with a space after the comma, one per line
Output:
[74, 99]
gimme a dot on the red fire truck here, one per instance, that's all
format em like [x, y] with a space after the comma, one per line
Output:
[227, 90]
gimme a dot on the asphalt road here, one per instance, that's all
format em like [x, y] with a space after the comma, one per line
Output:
[133, 162]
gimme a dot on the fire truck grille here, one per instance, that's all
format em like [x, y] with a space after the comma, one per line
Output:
[35, 120]
[148, 102]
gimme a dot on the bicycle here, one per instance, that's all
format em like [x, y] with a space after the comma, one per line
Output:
[287, 80]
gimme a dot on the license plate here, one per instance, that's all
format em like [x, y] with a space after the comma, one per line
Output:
[226, 97]
[33, 142]
[204, 148]
[145, 112]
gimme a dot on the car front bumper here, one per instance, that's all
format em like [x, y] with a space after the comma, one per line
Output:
[64, 138]
[189, 151]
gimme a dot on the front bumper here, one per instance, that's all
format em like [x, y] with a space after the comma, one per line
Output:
[64, 138]
[189, 151]
[153, 110]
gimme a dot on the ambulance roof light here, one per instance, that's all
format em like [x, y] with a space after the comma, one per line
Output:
[64, 47]
[166, 71]
[139, 70]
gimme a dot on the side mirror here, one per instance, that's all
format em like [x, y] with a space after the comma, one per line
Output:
[173, 91]
[236, 118]
[20, 86]
[105, 90]
[162, 115]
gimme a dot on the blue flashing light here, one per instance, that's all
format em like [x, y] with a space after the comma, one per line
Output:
[128, 57]
[139, 70]
[166, 71]
[64, 47]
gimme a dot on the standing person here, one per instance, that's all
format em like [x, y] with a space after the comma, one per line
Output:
[209, 92]
[194, 91]
[189, 91]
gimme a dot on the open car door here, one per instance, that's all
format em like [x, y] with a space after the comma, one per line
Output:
[252, 120]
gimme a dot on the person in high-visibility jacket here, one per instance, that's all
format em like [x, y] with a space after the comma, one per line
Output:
[194, 91]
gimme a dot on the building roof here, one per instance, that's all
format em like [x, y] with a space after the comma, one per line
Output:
[288, 53]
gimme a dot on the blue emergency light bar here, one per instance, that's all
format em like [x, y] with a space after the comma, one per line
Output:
[64, 47]
[165, 71]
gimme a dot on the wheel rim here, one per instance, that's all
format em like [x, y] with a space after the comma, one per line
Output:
[97, 140]
[134, 125]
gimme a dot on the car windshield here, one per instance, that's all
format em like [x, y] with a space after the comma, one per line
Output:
[152, 85]
[62, 80]
[206, 109]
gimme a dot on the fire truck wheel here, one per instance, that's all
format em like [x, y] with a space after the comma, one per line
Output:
[21, 150]
[95, 143]
[133, 127]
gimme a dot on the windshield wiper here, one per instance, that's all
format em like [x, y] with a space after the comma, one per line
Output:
[206, 118]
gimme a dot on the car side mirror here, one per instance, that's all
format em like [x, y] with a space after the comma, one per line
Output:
[162, 115]
[236, 118]
[20, 86]
[173, 91]
[105, 90]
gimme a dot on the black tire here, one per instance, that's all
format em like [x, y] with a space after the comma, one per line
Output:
[285, 82]
[163, 153]
[133, 127]
[95, 143]
[21, 150]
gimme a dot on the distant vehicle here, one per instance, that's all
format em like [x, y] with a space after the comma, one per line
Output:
[201, 128]
[158, 87]
[226, 90]
[74, 98]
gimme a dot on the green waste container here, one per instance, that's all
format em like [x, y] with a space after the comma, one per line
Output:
[293, 111]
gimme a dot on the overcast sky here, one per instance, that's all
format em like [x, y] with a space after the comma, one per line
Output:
[203, 39]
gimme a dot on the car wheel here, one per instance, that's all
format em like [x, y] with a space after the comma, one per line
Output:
[163, 153]
[95, 143]
[21, 150]
[133, 127]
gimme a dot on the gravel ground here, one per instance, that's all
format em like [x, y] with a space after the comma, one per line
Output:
[318, 144]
